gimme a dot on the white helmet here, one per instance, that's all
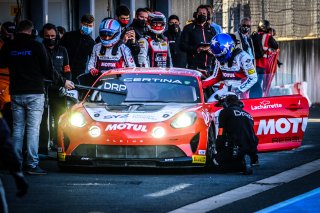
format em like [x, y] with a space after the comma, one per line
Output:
[156, 22]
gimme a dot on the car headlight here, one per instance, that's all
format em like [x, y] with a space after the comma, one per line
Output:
[184, 120]
[158, 132]
[77, 119]
[94, 131]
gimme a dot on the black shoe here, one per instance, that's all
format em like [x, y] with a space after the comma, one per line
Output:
[255, 163]
[36, 171]
[247, 168]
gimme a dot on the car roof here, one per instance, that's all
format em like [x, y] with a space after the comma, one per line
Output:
[155, 70]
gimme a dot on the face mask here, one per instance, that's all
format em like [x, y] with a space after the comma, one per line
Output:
[49, 42]
[174, 28]
[244, 30]
[124, 23]
[201, 19]
[86, 30]
[140, 23]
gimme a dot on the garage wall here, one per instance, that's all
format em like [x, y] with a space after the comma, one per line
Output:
[300, 60]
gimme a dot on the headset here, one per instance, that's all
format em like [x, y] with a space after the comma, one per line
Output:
[195, 14]
[50, 26]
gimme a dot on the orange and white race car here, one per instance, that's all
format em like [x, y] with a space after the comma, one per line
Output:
[157, 117]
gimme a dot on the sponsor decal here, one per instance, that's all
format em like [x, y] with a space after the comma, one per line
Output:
[282, 125]
[239, 113]
[168, 160]
[245, 84]
[59, 149]
[198, 159]
[251, 71]
[96, 115]
[62, 156]
[114, 87]
[124, 140]
[228, 75]
[202, 152]
[108, 64]
[206, 116]
[165, 115]
[153, 80]
[85, 158]
[286, 139]
[161, 57]
[127, 126]
[22, 53]
[116, 116]
[266, 105]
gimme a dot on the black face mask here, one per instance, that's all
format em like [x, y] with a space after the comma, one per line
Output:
[244, 30]
[174, 28]
[49, 42]
[201, 19]
[139, 22]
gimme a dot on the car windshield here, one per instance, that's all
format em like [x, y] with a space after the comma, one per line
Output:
[150, 88]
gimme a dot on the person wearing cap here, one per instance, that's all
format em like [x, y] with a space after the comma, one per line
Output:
[173, 34]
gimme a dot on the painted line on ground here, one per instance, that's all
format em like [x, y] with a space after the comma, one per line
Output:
[169, 190]
[251, 189]
[290, 201]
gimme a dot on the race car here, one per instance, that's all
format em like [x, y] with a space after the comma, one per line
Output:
[159, 117]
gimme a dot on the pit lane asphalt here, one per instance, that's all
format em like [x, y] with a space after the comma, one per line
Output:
[149, 190]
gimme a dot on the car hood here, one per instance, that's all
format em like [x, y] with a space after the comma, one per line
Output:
[137, 113]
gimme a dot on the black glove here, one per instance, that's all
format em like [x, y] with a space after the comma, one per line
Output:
[21, 184]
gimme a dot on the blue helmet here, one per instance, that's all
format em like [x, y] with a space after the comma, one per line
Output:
[222, 46]
[112, 28]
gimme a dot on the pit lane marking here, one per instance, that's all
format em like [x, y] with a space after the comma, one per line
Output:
[90, 184]
[169, 190]
[251, 189]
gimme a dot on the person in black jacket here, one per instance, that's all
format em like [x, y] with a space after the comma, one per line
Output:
[173, 35]
[79, 45]
[60, 61]
[11, 162]
[236, 144]
[28, 65]
[195, 40]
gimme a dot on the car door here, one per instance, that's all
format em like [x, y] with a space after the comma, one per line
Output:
[279, 122]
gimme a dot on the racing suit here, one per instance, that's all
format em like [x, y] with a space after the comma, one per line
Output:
[236, 136]
[154, 51]
[104, 59]
[238, 74]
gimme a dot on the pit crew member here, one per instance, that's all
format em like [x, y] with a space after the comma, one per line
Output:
[236, 141]
[233, 66]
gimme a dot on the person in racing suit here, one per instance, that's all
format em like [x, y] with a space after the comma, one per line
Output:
[110, 53]
[236, 141]
[154, 47]
[233, 66]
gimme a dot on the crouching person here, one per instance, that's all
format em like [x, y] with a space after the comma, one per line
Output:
[236, 143]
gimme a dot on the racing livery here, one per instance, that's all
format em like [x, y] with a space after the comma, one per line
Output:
[155, 117]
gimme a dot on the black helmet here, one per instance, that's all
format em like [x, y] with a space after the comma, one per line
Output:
[264, 26]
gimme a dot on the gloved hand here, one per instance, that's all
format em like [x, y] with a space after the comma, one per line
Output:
[21, 184]
[94, 72]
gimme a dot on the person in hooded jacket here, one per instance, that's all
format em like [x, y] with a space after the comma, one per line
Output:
[173, 35]
[236, 143]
